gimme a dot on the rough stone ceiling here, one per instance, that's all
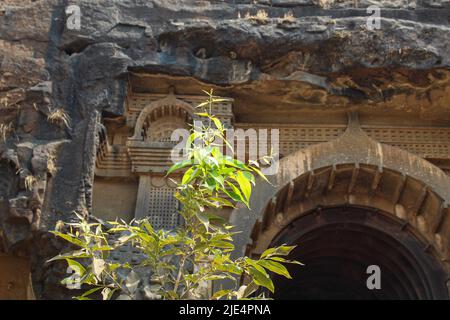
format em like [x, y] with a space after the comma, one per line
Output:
[292, 100]
[322, 58]
[328, 63]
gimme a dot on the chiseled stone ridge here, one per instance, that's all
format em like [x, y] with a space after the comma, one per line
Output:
[323, 48]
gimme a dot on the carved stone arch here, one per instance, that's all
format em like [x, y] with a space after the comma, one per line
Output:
[356, 185]
[353, 170]
[161, 129]
[338, 244]
[168, 106]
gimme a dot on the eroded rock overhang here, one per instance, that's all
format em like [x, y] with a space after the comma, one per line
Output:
[321, 61]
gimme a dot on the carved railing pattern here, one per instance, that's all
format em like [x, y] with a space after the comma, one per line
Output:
[432, 143]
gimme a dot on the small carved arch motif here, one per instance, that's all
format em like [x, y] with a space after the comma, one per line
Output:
[158, 119]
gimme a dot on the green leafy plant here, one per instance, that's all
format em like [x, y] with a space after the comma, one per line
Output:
[194, 259]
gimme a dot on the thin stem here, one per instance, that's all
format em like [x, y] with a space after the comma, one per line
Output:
[180, 273]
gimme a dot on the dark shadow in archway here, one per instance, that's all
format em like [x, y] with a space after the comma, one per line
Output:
[338, 244]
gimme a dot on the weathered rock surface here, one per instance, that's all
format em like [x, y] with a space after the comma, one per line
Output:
[324, 57]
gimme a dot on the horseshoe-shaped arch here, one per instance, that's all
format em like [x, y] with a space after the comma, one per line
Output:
[170, 100]
[348, 158]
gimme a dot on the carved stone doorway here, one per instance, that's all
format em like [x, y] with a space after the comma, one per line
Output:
[338, 244]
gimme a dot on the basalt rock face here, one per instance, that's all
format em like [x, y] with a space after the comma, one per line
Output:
[321, 56]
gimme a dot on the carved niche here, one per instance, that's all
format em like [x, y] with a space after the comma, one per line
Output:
[146, 153]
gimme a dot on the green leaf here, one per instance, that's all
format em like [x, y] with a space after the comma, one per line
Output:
[216, 153]
[102, 248]
[221, 236]
[215, 100]
[279, 259]
[125, 238]
[214, 217]
[70, 239]
[70, 255]
[233, 163]
[259, 173]
[202, 105]
[218, 178]
[220, 294]
[179, 165]
[172, 252]
[268, 252]
[260, 277]
[147, 225]
[222, 202]
[217, 277]
[222, 244]
[132, 281]
[246, 290]
[81, 298]
[106, 293]
[235, 193]
[89, 292]
[203, 219]
[218, 123]
[254, 163]
[229, 267]
[244, 185]
[275, 267]
[277, 251]
[211, 184]
[250, 177]
[76, 266]
[189, 175]
[98, 265]
[190, 140]
[117, 229]
[113, 266]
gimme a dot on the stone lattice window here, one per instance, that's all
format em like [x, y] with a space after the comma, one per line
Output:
[163, 208]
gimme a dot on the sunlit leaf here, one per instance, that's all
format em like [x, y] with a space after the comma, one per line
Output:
[275, 267]
[236, 194]
[220, 294]
[216, 277]
[277, 251]
[132, 281]
[70, 239]
[203, 219]
[70, 255]
[279, 259]
[189, 175]
[98, 265]
[91, 291]
[246, 290]
[218, 123]
[244, 185]
[259, 173]
[179, 165]
[76, 266]
[260, 277]
[106, 293]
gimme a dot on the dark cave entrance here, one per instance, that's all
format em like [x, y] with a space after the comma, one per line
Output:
[338, 244]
